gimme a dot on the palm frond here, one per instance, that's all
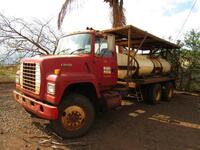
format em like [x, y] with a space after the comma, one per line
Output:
[66, 6]
[110, 2]
[118, 16]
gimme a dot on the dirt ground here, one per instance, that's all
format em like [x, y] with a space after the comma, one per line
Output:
[140, 126]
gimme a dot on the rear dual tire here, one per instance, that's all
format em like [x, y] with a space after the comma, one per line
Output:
[168, 91]
[155, 92]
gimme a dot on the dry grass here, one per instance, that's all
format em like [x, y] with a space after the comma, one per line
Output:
[7, 73]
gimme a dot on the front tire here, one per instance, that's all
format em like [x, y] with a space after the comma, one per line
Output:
[76, 116]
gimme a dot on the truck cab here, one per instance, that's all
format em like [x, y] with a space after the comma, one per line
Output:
[82, 68]
[67, 88]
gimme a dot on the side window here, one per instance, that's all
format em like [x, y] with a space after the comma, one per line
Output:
[101, 48]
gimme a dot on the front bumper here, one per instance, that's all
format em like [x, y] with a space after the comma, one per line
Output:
[40, 109]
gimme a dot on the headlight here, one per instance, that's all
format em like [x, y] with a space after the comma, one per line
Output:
[17, 80]
[51, 88]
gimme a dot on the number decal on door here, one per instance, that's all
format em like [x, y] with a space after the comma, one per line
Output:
[107, 71]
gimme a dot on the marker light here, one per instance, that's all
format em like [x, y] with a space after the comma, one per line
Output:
[57, 71]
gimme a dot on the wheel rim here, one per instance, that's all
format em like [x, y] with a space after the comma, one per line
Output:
[158, 95]
[73, 118]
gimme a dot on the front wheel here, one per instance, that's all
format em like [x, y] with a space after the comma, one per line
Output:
[76, 116]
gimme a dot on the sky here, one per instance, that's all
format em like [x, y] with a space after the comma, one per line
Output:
[163, 18]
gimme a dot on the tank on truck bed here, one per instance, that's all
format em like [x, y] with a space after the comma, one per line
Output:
[139, 49]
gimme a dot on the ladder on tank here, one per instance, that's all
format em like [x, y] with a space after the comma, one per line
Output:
[130, 58]
[138, 94]
[129, 68]
[137, 91]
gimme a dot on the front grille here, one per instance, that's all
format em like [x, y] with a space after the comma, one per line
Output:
[28, 74]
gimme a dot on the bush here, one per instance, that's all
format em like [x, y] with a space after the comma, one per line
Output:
[7, 73]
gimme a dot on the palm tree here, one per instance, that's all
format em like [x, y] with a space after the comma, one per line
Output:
[118, 17]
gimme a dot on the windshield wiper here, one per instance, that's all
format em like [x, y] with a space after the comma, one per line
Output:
[63, 51]
[77, 50]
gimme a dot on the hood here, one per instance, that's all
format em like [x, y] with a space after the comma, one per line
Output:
[67, 63]
[41, 58]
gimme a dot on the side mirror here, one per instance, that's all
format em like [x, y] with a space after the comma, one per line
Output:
[111, 42]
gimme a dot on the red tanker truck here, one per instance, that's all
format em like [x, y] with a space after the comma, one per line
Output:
[93, 70]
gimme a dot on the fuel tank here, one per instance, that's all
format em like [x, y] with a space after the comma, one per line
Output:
[142, 65]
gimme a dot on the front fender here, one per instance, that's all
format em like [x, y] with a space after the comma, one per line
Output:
[63, 81]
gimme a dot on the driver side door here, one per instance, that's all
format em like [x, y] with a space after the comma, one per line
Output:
[105, 63]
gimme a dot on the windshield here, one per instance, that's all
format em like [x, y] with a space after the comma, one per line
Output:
[74, 44]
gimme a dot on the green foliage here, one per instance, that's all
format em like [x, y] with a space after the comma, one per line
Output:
[192, 40]
[7, 73]
[190, 62]
[192, 59]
